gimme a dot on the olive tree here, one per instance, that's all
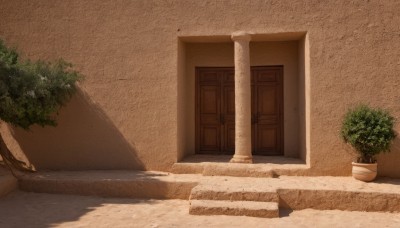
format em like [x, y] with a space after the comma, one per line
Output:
[31, 92]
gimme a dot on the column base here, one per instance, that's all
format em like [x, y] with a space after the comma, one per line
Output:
[241, 159]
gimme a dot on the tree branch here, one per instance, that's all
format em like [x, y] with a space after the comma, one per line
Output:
[11, 161]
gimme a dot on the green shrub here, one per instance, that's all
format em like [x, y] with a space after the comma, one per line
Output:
[369, 131]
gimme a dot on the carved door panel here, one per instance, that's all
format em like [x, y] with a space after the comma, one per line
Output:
[215, 110]
[267, 111]
[209, 112]
[228, 112]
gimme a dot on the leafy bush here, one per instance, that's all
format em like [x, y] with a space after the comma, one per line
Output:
[369, 131]
[31, 93]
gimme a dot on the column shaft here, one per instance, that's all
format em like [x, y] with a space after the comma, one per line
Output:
[242, 99]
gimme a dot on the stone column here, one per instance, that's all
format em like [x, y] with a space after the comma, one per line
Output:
[242, 98]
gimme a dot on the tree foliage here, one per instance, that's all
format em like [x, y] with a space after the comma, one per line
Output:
[369, 131]
[31, 92]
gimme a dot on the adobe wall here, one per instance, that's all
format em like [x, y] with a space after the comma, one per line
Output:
[127, 112]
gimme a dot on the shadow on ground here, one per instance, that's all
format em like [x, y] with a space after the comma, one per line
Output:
[22, 209]
[285, 212]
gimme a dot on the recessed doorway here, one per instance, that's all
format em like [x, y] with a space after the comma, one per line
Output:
[215, 110]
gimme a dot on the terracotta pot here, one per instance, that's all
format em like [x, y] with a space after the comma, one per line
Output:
[364, 172]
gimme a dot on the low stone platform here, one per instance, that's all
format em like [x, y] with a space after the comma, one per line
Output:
[135, 184]
[262, 166]
[325, 193]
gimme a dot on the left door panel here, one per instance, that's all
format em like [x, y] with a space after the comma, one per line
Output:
[209, 113]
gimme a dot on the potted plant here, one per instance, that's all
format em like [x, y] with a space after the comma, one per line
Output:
[370, 132]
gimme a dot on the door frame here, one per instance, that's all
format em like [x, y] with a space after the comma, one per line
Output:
[197, 103]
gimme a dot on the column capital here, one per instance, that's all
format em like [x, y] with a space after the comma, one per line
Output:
[240, 35]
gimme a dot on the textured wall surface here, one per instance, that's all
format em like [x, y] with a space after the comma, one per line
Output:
[126, 114]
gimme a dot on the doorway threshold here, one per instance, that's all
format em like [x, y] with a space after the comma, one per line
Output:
[262, 166]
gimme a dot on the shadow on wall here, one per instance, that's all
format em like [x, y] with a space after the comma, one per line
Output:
[85, 138]
[388, 163]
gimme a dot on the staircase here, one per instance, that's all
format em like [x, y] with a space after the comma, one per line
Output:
[225, 200]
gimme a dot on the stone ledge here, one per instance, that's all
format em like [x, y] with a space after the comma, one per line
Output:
[209, 165]
[298, 199]
[134, 184]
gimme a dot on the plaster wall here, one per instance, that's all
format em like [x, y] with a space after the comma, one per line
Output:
[128, 51]
[304, 98]
[183, 120]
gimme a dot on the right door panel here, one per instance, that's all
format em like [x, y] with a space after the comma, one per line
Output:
[267, 110]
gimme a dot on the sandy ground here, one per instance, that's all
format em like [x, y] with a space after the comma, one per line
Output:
[22, 209]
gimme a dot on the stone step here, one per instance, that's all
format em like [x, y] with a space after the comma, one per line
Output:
[220, 166]
[234, 193]
[236, 208]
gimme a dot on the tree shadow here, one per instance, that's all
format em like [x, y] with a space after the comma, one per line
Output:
[84, 139]
[67, 196]
[23, 209]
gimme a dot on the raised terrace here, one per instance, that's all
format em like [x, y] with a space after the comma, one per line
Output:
[259, 197]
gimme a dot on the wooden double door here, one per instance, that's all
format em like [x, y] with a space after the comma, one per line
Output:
[215, 110]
